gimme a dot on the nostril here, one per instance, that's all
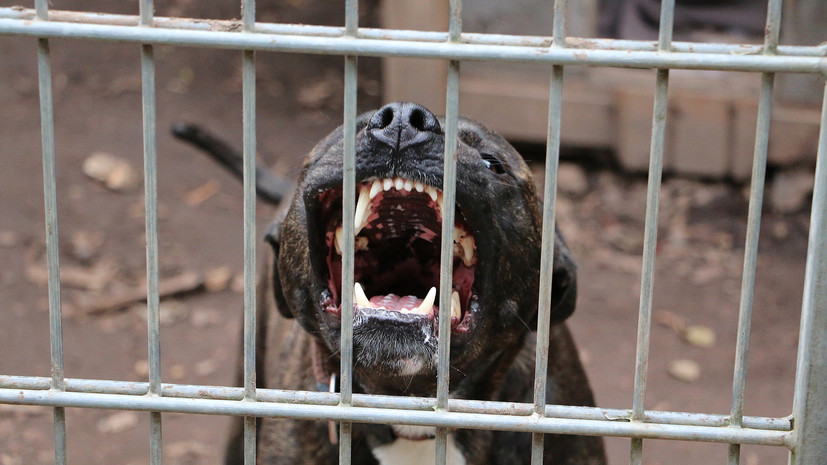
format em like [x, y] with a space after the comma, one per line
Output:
[387, 117]
[417, 120]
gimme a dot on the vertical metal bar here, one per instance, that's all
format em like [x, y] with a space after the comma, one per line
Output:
[810, 401]
[759, 169]
[547, 251]
[351, 17]
[249, 168]
[348, 213]
[248, 70]
[47, 134]
[446, 260]
[151, 209]
[349, 186]
[449, 178]
[651, 228]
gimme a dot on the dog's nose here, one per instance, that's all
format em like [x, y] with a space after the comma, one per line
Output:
[402, 125]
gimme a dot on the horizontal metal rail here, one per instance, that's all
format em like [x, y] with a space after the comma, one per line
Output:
[576, 43]
[30, 383]
[390, 45]
[444, 419]
[441, 412]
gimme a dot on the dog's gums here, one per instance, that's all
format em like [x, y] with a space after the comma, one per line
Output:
[398, 224]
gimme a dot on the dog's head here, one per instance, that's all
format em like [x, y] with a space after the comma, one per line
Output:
[399, 172]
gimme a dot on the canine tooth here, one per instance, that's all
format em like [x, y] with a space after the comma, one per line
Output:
[339, 240]
[360, 297]
[387, 184]
[432, 192]
[362, 211]
[419, 186]
[455, 305]
[397, 183]
[459, 233]
[469, 254]
[407, 185]
[428, 304]
[375, 188]
[458, 252]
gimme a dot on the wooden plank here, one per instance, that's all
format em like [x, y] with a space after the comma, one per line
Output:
[634, 134]
[515, 103]
[700, 128]
[793, 135]
[410, 79]
[745, 118]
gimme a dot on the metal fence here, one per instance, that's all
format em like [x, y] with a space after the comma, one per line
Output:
[803, 433]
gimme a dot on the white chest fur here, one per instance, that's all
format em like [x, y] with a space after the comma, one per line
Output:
[407, 452]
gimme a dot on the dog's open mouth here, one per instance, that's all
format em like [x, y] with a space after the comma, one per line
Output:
[398, 224]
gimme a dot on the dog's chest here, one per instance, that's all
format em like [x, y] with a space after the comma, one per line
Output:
[407, 452]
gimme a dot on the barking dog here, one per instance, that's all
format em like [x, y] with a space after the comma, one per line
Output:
[497, 240]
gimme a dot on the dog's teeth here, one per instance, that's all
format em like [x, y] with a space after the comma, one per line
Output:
[360, 297]
[339, 240]
[469, 257]
[464, 247]
[375, 188]
[398, 183]
[432, 192]
[458, 250]
[360, 219]
[439, 202]
[456, 307]
[419, 186]
[407, 185]
[361, 243]
[428, 304]
[387, 184]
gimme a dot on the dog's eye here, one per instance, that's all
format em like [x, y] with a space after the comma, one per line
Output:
[492, 163]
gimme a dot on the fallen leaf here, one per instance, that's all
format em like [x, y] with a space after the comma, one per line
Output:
[6, 459]
[700, 336]
[206, 367]
[684, 370]
[94, 278]
[178, 372]
[237, 284]
[9, 239]
[671, 320]
[114, 172]
[141, 368]
[314, 96]
[186, 452]
[118, 422]
[203, 318]
[202, 193]
[218, 279]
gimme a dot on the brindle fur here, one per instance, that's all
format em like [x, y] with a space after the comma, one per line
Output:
[497, 365]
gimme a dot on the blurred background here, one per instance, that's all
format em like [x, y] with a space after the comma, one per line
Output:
[606, 129]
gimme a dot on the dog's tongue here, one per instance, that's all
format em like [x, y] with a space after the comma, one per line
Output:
[396, 303]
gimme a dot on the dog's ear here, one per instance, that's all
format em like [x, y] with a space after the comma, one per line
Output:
[273, 237]
[563, 281]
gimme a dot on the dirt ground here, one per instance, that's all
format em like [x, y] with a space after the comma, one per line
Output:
[98, 109]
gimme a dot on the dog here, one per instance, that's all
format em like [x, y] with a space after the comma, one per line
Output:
[497, 243]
